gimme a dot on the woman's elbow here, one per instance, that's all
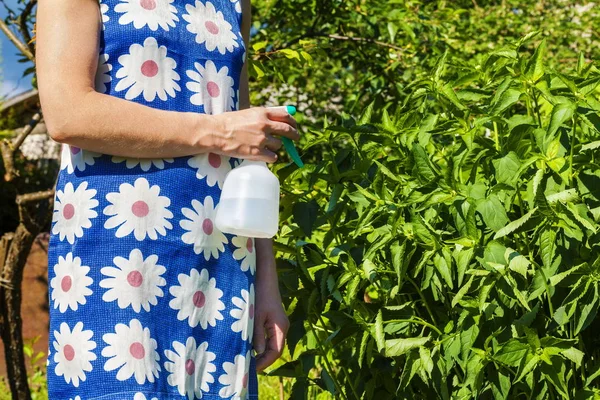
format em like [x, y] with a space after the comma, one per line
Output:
[62, 118]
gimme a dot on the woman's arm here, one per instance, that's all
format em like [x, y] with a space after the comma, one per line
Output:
[67, 45]
[270, 322]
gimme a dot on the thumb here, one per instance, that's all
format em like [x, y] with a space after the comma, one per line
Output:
[259, 336]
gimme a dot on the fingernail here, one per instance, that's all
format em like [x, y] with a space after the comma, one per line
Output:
[291, 110]
[259, 349]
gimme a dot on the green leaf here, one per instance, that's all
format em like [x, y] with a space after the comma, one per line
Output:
[423, 164]
[398, 347]
[574, 355]
[507, 99]
[493, 213]
[305, 215]
[379, 335]
[561, 113]
[507, 167]
[514, 225]
[512, 352]
[462, 292]
[535, 66]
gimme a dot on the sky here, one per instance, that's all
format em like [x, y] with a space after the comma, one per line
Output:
[11, 71]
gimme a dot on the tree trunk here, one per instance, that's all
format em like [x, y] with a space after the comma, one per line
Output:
[10, 310]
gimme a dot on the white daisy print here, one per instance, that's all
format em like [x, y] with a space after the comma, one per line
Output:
[73, 211]
[190, 368]
[144, 163]
[73, 352]
[213, 88]
[132, 351]
[244, 314]
[136, 281]
[211, 166]
[153, 13]
[103, 11]
[139, 209]
[103, 73]
[197, 299]
[76, 398]
[201, 229]
[148, 70]
[73, 158]
[210, 27]
[70, 283]
[245, 251]
[236, 378]
[238, 5]
[141, 396]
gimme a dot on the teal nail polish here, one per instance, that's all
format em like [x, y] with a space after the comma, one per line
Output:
[291, 110]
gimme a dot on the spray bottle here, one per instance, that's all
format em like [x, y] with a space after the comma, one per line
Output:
[249, 204]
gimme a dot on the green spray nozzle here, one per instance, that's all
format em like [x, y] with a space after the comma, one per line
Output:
[289, 144]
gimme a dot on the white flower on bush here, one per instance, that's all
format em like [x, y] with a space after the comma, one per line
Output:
[190, 368]
[140, 209]
[73, 352]
[73, 211]
[70, 283]
[132, 351]
[197, 299]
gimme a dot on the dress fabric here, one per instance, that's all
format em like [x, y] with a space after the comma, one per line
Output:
[148, 299]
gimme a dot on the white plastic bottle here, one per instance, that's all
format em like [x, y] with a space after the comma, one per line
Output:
[249, 203]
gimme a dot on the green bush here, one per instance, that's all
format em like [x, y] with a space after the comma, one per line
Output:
[447, 246]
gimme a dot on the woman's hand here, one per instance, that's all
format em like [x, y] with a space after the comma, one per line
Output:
[270, 320]
[249, 133]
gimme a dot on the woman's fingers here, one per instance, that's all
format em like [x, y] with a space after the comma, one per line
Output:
[283, 129]
[274, 348]
[281, 114]
[273, 144]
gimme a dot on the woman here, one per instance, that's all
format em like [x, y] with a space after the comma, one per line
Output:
[148, 299]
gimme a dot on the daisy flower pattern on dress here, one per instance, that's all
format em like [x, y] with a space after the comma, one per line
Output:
[235, 379]
[210, 27]
[244, 314]
[197, 299]
[211, 166]
[73, 158]
[132, 351]
[148, 70]
[153, 13]
[238, 5]
[73, 211]
[103, 11]
[136, 281]
[201, 229]
[73, 352]
[213, 88]
[144, 163]
[245, 251]
[141, 396]
[139, 209]
[190, 368]
[102, 73]
[70, 283]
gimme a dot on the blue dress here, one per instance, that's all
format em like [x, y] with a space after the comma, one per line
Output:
[148, 299]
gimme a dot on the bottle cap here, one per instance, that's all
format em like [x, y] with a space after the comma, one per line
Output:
[289, 144]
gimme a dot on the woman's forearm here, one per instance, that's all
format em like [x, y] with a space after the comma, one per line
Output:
[111, 125]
